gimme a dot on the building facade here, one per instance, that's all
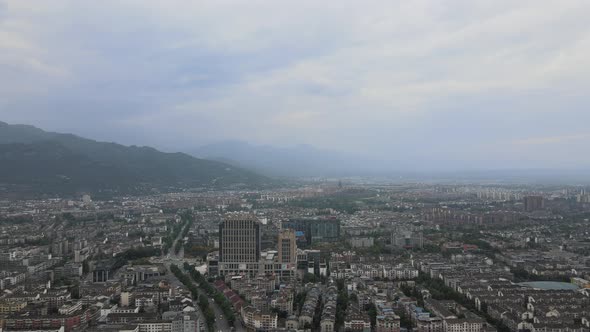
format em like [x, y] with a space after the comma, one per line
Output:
[315, 229]
[534, 203]
[239, 244]
[407, 237]
[287, 247]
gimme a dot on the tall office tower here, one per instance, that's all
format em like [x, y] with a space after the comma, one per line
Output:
[407, 237]
[315, 229]
[533, 203]
[287, 247]
[239, 243]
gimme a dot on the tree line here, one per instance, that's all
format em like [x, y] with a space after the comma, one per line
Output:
[202, 299]
[217, 296]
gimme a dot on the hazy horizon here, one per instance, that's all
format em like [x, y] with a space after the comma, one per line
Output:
[462, 85]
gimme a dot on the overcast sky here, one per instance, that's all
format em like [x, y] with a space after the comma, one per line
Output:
[492, 84]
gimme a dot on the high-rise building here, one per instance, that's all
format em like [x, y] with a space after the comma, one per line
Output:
[533, 203]
[287, 247]
[104, 271]
[407, 237]
[239, 243]
[60, 247]
[315, 229]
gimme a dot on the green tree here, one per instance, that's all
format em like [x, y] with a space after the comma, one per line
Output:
[309, 277]
[372, 310]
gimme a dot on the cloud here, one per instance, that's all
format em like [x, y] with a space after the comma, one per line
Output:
[302, 119]
[421, 79]
[552, 139]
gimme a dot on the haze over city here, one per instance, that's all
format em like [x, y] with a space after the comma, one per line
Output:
[294, 166]
[428, 85]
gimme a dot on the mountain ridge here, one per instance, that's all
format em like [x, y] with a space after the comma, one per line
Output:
[309, 161]
[297, 161]
[34, 159]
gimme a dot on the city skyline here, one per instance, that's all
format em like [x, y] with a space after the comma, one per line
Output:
[304, 166]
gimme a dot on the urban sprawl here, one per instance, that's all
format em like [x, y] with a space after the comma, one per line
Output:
[326, 256]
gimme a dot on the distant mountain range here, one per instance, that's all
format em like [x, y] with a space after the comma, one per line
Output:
[308, 161]
[34, 161]
[297, 161]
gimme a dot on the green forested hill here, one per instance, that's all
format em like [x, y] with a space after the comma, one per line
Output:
[34, 160]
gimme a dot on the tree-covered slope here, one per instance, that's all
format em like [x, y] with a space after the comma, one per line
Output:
[52, 163]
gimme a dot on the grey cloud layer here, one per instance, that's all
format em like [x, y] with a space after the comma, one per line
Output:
[457, 83]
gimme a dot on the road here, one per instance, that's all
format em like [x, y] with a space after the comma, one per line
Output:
[172, 257]
[221, 323]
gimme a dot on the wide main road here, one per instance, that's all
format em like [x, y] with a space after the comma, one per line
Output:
[172, 257]
[221, 323]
